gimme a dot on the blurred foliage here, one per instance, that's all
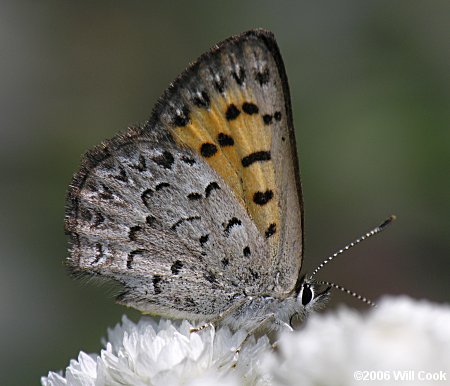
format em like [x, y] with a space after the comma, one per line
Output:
[370, 92]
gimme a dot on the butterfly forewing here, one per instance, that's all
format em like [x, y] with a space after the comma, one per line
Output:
[187, 212]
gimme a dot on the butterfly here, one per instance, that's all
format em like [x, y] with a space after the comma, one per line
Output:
[198, 213]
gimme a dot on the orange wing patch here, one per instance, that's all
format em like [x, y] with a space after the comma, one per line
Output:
[231, 133]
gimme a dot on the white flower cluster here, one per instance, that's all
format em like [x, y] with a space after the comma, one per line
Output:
[400, 338]
[166, 353]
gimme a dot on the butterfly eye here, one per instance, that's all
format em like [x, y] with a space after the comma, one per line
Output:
[307, 294]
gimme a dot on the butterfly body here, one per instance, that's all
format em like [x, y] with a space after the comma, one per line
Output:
[198, 213]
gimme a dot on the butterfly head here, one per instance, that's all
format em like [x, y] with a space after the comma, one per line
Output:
[310, 295]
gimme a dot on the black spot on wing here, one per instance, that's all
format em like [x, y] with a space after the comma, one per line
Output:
[181, 221]
[246, 251]
[232, 112]
[225, 140]
[208, 149]
[271, 230]
[150, 220]
[156, 284]
[203, 239]
[194, 196]
[176, 267]
[201, 100]
[250, 108]
[255, 157]
[267, 119]
[132, 234]
[231, 223]
[239, 76]
[263, 77]
[164, 160]
[131, 255]
[188, 160]
[211, 186]
[219, 84]
[181, 117]
[262, 198]
[146, 194]
[162, 185]
[277, 115]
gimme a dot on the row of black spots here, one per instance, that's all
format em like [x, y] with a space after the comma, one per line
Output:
[225, 140]
[133, 233]
[201, 99]
[210, 187]
[263, 77]
[98, 253]
[262, 198]
[164, 160]
[257, 156]
[181, 221]
[131, 255]
[203, 239]
[176, 267]
[181, 117]
[271, 230]
[247, 107]
[268, 118]
[122, 176]
[208, 149]
[231, 223]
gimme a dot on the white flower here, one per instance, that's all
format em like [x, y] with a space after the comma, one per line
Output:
[400, 335]
[166, 353]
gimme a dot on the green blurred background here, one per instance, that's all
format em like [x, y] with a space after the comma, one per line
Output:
[370, 91]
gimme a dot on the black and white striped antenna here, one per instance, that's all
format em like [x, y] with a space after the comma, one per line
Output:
[371, 233]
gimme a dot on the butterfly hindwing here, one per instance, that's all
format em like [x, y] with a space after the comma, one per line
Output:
[156, 218]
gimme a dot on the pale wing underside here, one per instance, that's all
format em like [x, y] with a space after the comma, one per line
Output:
[186, 237]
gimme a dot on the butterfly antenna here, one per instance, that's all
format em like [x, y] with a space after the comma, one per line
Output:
[371, 233]
[347, 291]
